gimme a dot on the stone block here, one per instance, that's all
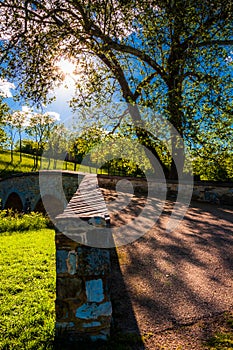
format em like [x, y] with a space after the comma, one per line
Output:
[61, 258]
[104, 334]
[71, 262]
[210, 195]
[93, 261]
[196, 194]
[92, 311]
[94, 290]
[93, 324]
[227, 198]
[62, 310]
[69, 288]
[65, 325]
[65, 243]
[66, 261]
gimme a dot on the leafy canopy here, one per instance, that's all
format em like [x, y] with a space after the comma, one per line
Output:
[173, 56]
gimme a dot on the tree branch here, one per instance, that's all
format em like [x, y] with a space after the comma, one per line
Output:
[119, 121]
[115, 67]
[214, 42]
[142, 84]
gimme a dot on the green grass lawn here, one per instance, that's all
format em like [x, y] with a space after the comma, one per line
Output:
[27, 290]
[8, 168]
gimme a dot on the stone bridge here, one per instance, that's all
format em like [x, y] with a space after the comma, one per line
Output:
[26, 191]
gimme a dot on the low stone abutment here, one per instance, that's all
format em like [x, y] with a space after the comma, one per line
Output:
[83, 305]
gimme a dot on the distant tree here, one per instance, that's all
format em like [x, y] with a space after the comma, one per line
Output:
[82, 144]
[11, 132]
[4, 109]
[39, 128]
[213, 148]
[15, 124]
[57, 144]
[27, 146]
[119, 153]
[219, 167]
[18, 120]
[172, 55]
[3, 138]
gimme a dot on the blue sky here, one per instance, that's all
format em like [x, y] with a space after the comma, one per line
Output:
[63, 95]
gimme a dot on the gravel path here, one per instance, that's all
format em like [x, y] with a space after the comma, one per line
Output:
[171, 287]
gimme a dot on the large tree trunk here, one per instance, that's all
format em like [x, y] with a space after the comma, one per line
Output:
[175, 116]
[20, 147]
[12, 153]
[144, 138]
[176, 135]
[177, 163]
[147, 140]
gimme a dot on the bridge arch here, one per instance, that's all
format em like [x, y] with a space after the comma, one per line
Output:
[14, 202]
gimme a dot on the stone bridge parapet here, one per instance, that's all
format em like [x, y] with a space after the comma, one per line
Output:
[25, 193]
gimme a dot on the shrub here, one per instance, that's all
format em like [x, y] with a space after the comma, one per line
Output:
[11, 221]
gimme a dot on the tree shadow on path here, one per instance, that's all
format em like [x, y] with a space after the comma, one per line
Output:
[178, 278]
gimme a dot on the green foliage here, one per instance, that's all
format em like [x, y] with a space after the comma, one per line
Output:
[58, 143]
[11, 221]
[212, 150]
[123, 167]
[221, 341]
[28, 147]
[120, 155]
[4, 109]
[3, 138]
[85, 142]
[172, 56]
[218, 168]
[27, 290]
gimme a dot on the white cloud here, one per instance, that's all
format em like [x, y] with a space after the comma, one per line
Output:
[5, 87]
[26, 109]
[54, 115]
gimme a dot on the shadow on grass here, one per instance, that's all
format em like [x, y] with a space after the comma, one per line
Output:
[9, 169]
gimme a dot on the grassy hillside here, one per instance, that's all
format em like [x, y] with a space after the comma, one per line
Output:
[8, 168]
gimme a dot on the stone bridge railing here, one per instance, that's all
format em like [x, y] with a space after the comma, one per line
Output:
[22, 192]
[206, 191]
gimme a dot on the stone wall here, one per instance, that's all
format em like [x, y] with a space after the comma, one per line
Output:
[83, 305]
[26, 186]
[206, 191]
[213, 192]
[60, 185]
